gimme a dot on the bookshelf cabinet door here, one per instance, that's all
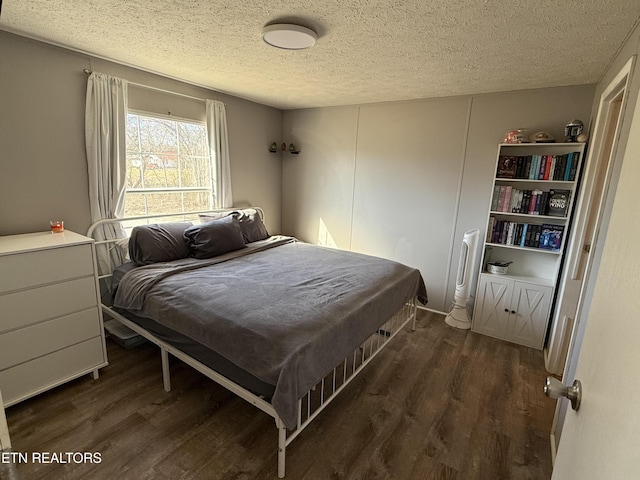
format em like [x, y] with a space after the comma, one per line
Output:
[493, 306]
[529, 324]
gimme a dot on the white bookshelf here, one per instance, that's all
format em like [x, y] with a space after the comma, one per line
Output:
[516, 306]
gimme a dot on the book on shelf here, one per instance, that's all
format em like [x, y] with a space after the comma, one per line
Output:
[559, 167]
[535, 202]
[535, 162]
[558, 203]
[516, 200]
[545, 236]
[543, 166]
[551, 237]
[548, 167]
[495, 198]
[542, 206]
[527, 167]
[501, 195]
[505, 199]
[490, 227]
[510, 233]
[532, 238]
[524, 201]
[523, 235]
[535, 242]
[509, 199]
[574, 167]
[507, 166]
[520, 164]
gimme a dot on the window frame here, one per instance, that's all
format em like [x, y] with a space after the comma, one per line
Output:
[211, 191]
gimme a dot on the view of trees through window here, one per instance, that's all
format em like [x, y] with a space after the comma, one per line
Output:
[169, 168]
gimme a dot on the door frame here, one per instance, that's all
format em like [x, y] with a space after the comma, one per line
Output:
[619, 85]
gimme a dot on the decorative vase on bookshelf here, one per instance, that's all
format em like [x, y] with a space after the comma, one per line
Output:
[529, 216]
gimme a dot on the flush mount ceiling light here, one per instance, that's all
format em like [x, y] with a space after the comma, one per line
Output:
[289, 36]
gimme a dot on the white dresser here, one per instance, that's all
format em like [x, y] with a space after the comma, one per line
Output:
[50, 318]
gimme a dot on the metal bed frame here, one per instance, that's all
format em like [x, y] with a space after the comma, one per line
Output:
[310, 404]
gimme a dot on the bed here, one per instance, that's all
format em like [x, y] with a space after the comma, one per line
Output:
[283, 324]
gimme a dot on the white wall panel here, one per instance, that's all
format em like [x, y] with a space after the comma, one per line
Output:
[408, 164]
[318, 198]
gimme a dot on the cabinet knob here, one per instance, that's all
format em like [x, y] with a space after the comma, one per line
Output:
[513, 311]
[506, 310]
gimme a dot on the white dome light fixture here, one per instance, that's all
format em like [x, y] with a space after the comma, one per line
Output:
[289, 36]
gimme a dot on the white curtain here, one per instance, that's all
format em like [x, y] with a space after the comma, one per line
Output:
[219, 149]
[105, 138]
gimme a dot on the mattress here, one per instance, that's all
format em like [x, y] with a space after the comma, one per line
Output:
[203, 354]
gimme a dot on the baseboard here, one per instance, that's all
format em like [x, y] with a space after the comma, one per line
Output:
[552, 438]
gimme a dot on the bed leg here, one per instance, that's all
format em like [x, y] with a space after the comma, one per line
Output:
[166, 378]
[282, 445]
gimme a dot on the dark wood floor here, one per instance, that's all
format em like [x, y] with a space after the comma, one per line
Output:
[439, 403]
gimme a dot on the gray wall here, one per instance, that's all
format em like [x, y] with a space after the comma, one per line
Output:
[405, 180]
[43, 171]
[400, 180]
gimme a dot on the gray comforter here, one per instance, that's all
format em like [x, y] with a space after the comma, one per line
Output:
[285, 311]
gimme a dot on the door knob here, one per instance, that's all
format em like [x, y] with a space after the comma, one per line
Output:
[553, 388]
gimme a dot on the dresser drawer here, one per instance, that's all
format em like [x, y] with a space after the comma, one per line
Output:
[35, 376]
[25, 344]
[27, 307]
[40, 267]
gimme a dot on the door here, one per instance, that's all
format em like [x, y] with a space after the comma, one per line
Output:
[572, 299]
[587, 218]
[528, 324]
[601, 440]
[493, 306]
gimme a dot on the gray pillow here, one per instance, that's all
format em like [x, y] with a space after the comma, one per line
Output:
[251, 225]
[158, 242]
[214, 238]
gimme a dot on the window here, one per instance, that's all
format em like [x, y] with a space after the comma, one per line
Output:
[169, 168]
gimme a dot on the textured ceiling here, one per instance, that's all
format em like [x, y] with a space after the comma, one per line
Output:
[367, 51]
